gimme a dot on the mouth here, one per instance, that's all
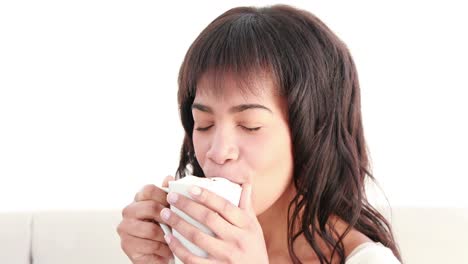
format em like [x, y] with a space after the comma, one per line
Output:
[232, 179]
[239, 175]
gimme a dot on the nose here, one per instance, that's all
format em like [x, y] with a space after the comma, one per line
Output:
[223, 147]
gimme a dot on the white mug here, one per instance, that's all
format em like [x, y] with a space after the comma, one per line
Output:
[221, 186]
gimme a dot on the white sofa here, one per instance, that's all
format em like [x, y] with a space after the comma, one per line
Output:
[425, 235]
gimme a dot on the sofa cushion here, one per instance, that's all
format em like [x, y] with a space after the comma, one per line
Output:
[432, 235]
[76, 237]
[15, 238]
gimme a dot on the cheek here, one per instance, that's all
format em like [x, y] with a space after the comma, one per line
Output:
[273, 166]
[200, 145]
[269, 188]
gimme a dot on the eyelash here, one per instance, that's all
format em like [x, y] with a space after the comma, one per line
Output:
[202, 129]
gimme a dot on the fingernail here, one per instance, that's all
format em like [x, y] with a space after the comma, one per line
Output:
[165, 213]
[195, 190]
[167, 238]
[172, 198]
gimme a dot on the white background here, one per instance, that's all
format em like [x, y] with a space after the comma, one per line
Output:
[88, 110]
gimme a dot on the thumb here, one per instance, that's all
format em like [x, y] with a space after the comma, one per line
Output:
[246, 199]
[167, 180]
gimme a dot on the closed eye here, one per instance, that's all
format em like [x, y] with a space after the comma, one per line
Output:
[250, 129]
[203, 128]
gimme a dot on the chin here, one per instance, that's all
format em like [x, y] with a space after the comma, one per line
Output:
[261, 208]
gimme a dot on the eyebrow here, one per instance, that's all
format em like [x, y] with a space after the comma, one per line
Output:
[232, 110]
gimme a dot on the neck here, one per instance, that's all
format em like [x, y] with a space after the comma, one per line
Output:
[274, 222]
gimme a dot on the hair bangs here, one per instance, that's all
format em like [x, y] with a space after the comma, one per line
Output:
[235, 47]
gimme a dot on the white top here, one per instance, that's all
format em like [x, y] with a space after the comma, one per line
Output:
[370, 253]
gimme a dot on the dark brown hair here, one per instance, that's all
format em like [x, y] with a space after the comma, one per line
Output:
[315, 72]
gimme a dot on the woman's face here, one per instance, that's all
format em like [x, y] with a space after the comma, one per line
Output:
[244, 137]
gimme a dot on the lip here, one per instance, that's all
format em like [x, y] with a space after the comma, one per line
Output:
[239, 177]
[230, 178]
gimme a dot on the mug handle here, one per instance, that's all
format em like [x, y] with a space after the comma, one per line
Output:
[165, 228]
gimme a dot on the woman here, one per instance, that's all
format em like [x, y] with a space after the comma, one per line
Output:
[269, 98]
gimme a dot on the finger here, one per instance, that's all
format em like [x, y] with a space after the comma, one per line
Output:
[141, 229]
[212, 245]
[225, 208]
[144, 210]
[246, 199]
[151, 192]
[136, 247]
[183, 253]
[145, 259]
[167, 180]
[202, 214]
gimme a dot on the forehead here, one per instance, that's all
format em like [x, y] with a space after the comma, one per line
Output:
[231, 90]
[227, 86]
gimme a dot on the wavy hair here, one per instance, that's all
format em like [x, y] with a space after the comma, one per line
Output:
[313, 69]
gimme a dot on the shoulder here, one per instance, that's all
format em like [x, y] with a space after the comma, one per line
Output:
[371, 252]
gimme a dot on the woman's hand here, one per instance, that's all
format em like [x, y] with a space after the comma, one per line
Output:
[142, 239]
[239, 236]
